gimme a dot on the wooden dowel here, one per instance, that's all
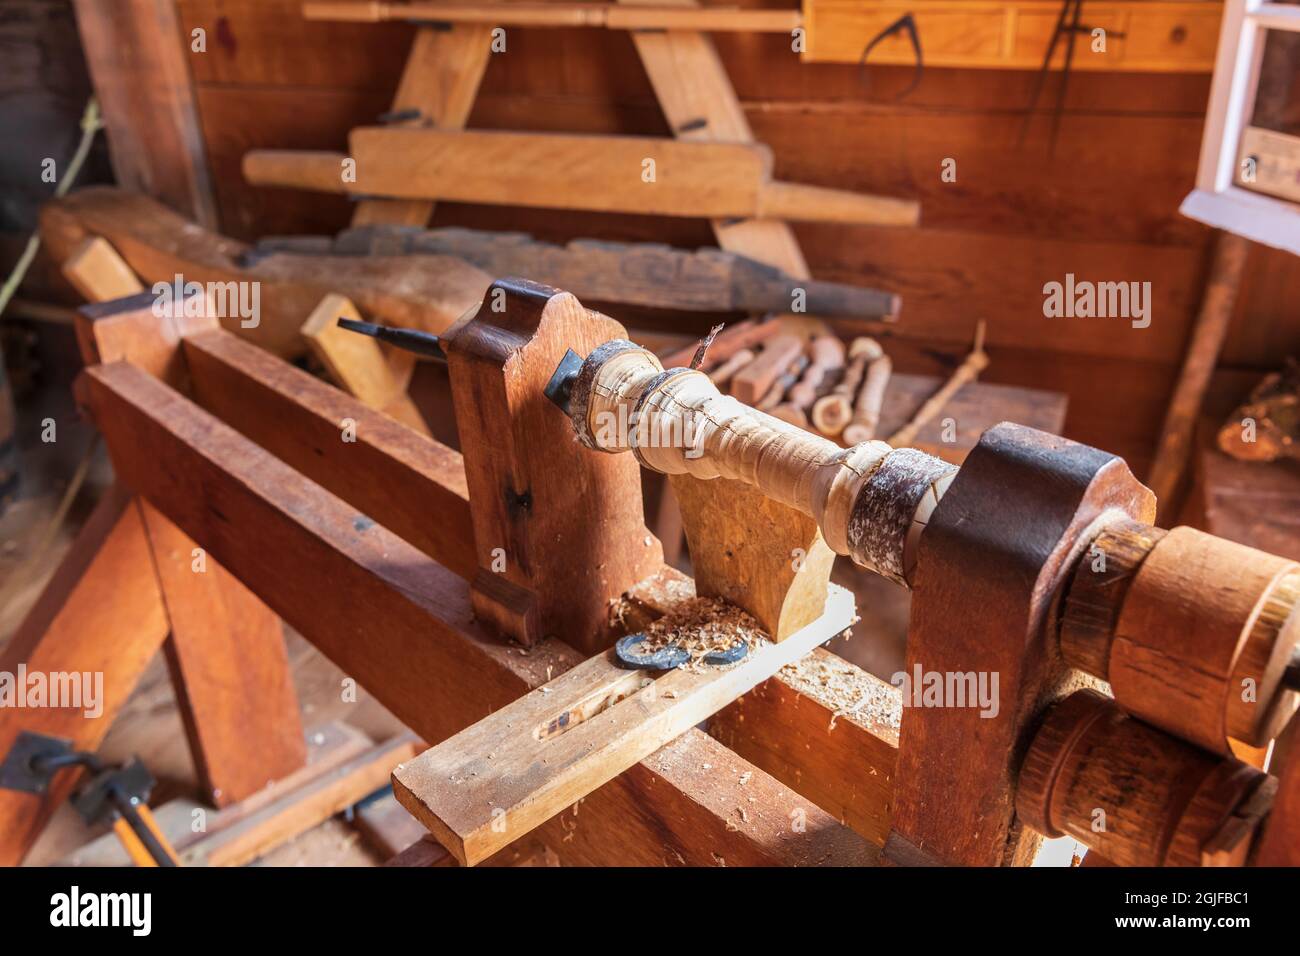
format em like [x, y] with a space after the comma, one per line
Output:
[723, 373]
[832, 412]
[1230, 252]
[295, 169]
[753, 382]
[965, 373]
[803, 203]
[781, 385]
[871, 398]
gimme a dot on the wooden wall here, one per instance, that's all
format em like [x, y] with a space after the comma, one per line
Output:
[1103, 207]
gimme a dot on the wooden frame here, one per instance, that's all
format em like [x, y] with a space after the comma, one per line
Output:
[1217, 200]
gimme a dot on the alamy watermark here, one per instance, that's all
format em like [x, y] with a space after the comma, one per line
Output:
[1074, 299]
[223, 300]
[80, 690]
[961, 689]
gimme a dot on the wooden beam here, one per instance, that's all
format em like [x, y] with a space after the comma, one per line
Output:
[359, 365]
[510, 772]
[603, 15]
[226, 649]
[441, 80]
[628, 174]
[410, 484]
[138, 64]
[403, 628]
[99, 618]
[99, 273]
[229, 667]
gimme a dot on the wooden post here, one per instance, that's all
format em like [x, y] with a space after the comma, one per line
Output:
[997, 550]
[100, 616]
[1211, 328]
[559, 529]
[226, 649]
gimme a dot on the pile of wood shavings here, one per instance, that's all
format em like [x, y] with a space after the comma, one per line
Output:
[846, 690]
[702, 626]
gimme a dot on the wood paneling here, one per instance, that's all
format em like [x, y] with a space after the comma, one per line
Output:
[1104, 207]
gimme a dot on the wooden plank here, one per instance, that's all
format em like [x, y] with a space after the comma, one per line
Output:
[358, 363]
[560, 15]
[301, 808]
[411, 485]
[441, 79]
[633, 174]
[402, 627]
[99, 618]
[1144, 36]
[141, 75]
[815, 726]
[229, 668]
[189, 825]
[98, 272]
[160, 245]
[511, 772]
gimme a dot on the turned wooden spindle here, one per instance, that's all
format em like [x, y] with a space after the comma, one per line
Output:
[1132, 793]
[832, 412]
[870, 501]
[1194, 633]
[870, 400]
[827, 359]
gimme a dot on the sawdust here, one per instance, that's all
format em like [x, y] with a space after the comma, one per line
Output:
[847, 691]
[702, 626]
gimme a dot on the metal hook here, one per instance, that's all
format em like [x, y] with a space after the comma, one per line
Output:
[907, 24]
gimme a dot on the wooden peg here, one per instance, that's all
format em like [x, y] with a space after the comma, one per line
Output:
[871, 398]
[832, 412]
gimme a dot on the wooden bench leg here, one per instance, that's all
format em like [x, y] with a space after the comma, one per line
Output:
[101, 614]
[229, 668]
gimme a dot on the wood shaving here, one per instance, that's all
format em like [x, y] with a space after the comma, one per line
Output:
[846, 690]
[702, 626]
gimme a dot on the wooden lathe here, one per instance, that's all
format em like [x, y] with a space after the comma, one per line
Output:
[478, 597]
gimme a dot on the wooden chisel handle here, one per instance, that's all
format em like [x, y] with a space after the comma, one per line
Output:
[296, 169]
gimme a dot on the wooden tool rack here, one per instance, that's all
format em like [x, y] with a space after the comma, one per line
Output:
[407, 564]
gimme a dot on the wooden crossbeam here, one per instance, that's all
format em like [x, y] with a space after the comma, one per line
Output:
[402, 627]
[604, 15]
[509, 773]
[629, 174]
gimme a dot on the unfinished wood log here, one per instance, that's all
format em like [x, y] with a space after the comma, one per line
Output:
[518, 768]
[359, 364]
[630, 174]
[869, 401]
[98, 272]
[424, 658]
[562, 15]
[1208, 334]
[649, 274]
[754, 381]
[440, 81]
[965, 373]
[159, 245]
[832, 412]
[96, 616]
